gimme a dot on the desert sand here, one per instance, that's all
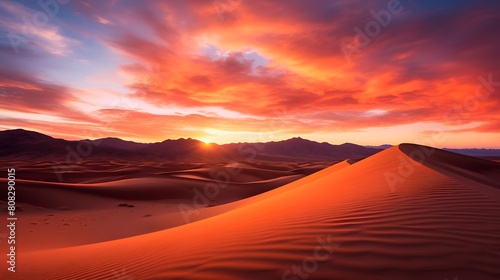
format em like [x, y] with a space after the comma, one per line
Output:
[97, 201]
[409, 212]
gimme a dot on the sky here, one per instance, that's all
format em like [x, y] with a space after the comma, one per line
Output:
[366, 72]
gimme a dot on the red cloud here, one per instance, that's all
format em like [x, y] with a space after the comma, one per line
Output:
[252, 57]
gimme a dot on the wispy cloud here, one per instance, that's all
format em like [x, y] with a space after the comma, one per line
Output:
[176, 59]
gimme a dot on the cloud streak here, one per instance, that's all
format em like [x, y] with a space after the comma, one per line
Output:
[188, 68]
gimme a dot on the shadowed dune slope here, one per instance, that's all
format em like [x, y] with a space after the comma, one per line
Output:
[343, 224]
[469, 168]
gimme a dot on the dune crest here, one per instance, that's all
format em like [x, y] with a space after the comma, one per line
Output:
[425, 228]
[482, 174]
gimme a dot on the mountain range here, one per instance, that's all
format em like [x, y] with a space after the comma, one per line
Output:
[20, 144]
[27, 145]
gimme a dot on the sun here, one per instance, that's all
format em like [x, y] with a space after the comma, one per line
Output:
[206, 143]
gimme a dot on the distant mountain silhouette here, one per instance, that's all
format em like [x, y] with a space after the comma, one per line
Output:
[482, 153]
[486, 153]
[21, 135]
[306, 149]
[113, 142]
[381, 147]
[23, 144]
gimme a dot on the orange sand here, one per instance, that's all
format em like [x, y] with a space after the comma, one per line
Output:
[384, 217]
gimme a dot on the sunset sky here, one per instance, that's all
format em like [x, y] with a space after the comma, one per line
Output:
[365, 72]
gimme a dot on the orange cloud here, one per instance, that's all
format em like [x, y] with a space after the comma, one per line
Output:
[194, 67]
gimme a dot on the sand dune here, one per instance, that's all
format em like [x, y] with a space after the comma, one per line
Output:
[475, 171]
[98, 199]
[344, 222]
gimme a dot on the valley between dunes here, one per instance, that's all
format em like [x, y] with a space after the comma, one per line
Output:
[409, 212]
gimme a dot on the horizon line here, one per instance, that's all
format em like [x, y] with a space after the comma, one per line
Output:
[274, 141]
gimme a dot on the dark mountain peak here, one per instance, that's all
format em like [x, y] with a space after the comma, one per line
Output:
[380, 147]
[112, 139]
[21, 135]
[476, 152]
[182, 140]
[347, 144]
[115, 142]
[298, 140]
[306, 149]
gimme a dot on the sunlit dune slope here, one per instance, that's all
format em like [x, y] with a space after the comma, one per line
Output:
[385, 217]
[98, 199]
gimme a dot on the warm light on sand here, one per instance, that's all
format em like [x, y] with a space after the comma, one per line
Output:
[233, 139]
[349, 209]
